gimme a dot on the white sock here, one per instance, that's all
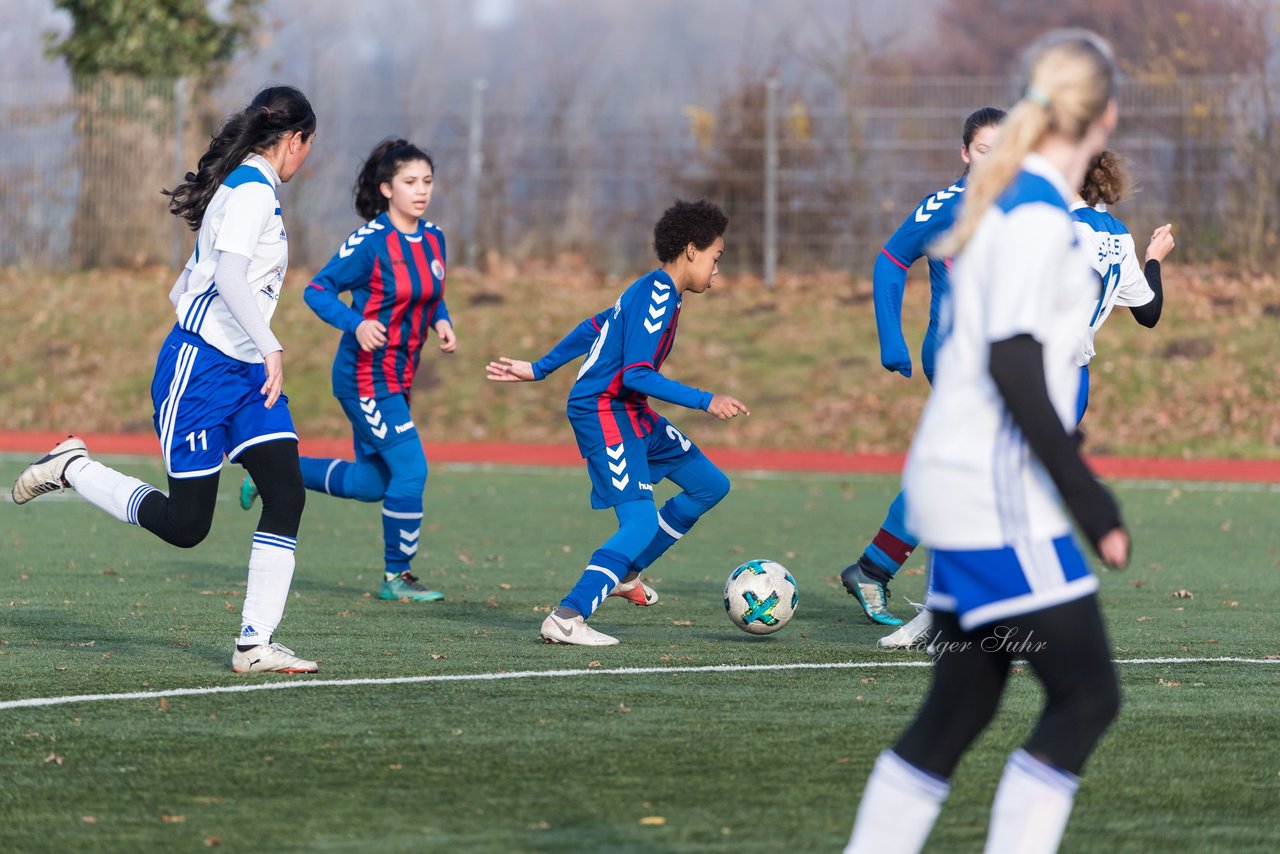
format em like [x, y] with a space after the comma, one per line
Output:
[898, 809]
[270, 573]
[1033, 803]
[118, 494]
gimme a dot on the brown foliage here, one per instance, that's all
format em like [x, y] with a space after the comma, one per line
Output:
[1150, 37]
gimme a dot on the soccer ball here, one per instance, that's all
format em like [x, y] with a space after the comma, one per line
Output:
[760, 596]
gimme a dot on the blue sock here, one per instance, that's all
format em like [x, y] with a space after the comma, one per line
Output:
[893, 544]
[676, 517]
[601, 575]
[402, 505]
[362, 480]
[324, 475]
[401, 531]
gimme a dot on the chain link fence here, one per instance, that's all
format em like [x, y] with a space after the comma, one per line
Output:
[812, 178]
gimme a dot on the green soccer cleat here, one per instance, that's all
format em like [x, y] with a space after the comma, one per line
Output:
[248, 493]
[406, 586]
[872, 595]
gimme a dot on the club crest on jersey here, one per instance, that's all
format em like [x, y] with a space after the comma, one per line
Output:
[437, 269]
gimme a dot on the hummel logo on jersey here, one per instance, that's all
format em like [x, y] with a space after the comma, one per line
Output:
[357, 237]
[935, 201]
[648, 487]
[657, 309]
[402, 428]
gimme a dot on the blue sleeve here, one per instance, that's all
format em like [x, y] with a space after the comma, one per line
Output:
[889, 281]
[644, 379]
[647, 315]
[573, 345]
[342, 273]
[440, 311]
[933, 216]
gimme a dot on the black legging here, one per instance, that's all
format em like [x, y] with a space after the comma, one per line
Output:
[182, 518]
[1067, 647]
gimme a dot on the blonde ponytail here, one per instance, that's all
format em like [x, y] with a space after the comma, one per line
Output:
[1070, 81]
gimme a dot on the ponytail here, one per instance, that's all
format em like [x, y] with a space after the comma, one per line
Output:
[379, 168]
[275, 112]
[1071, 79]
[1107, 180]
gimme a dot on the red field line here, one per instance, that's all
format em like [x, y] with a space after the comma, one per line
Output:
[508, 453]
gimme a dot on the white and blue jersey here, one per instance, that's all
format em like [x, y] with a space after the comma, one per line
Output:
[933, 217]
[976, 494]
[208, 379]
[1114, 259]
[243, 218]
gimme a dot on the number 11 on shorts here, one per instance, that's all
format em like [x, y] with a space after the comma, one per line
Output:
[202, 436]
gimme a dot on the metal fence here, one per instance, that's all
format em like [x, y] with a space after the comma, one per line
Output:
[811, 177]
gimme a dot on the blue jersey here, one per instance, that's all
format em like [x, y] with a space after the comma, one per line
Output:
[394, 278]
[935, 215]
[625, 347]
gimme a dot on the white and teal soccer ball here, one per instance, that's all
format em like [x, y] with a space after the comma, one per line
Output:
[760, 596]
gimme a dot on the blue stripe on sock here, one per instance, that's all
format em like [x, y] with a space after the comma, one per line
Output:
[274, 541]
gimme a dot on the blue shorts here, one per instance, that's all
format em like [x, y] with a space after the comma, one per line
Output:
[984, 585]
[209, 405]
[380, 423]
[628, 470]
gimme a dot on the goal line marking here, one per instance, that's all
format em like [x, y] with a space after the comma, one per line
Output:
[304, 682]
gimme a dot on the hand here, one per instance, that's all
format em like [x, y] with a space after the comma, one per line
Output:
[509, 371]
[724, 407]
[448, 341]
[1161, 243]
[274, 363]
[371, 335]
[896, 358]
[1113, 548]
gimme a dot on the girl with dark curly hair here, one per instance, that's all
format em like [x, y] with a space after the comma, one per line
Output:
[626, 445]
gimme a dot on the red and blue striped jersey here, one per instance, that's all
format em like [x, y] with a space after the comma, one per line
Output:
[609, 401]
[395, 278]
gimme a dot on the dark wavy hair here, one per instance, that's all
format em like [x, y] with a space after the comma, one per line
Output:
[379, 168]
[699, 223]
[1107, 180]
[984, 117]
[275, 112]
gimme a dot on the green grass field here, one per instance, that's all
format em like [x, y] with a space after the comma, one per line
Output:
[657, 760]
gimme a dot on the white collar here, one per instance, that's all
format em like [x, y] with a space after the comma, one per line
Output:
[262, 165]
[1038, 164]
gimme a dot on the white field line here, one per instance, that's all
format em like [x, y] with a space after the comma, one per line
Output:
[305, 682]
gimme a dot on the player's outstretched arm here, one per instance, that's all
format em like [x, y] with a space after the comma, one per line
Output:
[506, 370]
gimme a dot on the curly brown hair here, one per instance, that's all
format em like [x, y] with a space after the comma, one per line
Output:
[1107, 180]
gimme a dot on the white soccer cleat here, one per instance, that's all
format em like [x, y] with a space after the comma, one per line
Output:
[46, 474]
[636, 591]
[915, 633]
[270, 658]
[574, 631]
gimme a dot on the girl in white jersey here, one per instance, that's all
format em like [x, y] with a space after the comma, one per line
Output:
[218, 378]
[992, 463]
[1114, 258]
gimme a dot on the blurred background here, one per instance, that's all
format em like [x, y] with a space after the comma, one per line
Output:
[562, 128]
[566, 125]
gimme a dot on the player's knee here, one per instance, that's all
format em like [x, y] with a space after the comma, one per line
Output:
[1099, 705]
[408, 482]
[368, 484]
[282, 505]
[189, 533]
[715, 489]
